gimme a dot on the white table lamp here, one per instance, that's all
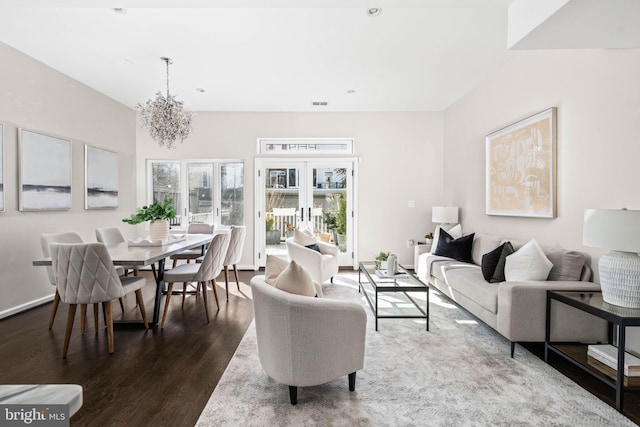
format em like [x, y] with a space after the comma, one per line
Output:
[444, 214]
[619, 231]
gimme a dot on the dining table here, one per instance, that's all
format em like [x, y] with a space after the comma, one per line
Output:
[127, 255]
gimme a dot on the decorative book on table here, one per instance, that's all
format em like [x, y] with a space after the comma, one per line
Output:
[384, 274]
[608, 355]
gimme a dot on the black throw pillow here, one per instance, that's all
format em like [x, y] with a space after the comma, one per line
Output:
[490, 261]
[498, 274]
[458, 249]
[314, 246]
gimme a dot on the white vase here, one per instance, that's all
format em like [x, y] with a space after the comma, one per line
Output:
[159, 229]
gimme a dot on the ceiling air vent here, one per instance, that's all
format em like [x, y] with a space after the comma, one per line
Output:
[319, 103]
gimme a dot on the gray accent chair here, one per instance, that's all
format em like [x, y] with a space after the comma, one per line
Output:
[305, 341]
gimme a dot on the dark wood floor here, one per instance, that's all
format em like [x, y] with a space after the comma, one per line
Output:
[160, 377]
[154, 378]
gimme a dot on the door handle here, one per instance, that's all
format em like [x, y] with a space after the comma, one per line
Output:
[309, 217]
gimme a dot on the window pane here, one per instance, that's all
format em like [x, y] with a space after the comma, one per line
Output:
[232, 193]
[200, 193]
[166, 184]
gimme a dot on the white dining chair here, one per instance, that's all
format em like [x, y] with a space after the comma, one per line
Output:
[84, 274]
[234, 253]
[202, 273]
[46, 240]
[113, 236]
[193, 254]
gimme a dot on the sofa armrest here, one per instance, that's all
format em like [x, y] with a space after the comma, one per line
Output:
[522, 313]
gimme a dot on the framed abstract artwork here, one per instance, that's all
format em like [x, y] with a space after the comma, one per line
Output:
[45, 172]
[101, 178]
[1, 168]
[521, 168]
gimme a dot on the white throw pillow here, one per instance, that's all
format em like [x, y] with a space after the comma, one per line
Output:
[455, 232]
[527, 263]
[273, 267]
[296, 279]
[304, 238]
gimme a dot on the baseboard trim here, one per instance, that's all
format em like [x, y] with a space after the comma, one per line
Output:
[26, 306]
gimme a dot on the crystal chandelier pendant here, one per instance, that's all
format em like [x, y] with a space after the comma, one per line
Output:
[165, 117]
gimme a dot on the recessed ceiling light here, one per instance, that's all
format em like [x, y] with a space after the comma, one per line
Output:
[120, 10]
[199, 90]
[374, 11]
[319, 103]
[351, 91]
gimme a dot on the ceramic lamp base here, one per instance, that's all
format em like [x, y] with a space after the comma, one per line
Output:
[620, 278]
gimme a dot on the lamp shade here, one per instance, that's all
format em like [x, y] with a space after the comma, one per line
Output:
[444, 214]
[617, 230]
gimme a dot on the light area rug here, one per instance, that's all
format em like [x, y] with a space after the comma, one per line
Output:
[458, 374]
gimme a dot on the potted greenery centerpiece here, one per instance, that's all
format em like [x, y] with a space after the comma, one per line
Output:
[381, 260]
[158, 214]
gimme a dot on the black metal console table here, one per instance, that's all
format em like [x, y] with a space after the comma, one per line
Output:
[592, 302]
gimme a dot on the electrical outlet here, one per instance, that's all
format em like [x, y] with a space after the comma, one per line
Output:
[411, 243]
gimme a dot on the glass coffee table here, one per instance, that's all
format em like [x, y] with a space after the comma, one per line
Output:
[406, 306]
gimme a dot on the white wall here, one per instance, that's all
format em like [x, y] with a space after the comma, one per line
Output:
[400, 153]
[36, 97]
[597, 93]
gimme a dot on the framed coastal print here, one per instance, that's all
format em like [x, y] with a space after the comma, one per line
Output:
[45, 172]
[1, 168]
[101, 178]
[521, 168]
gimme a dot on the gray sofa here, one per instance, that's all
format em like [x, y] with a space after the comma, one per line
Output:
[516, 309]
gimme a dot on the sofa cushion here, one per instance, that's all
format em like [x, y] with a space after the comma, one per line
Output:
[567, 265]
[490, 261]
[296, 279]
[527, 263]
[483, 244]
[498, 273]
[273, 267]
[440, 268]
[469, 282]
[458, 249]
[455, 231]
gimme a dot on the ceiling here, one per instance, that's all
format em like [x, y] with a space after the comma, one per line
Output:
[269, 55]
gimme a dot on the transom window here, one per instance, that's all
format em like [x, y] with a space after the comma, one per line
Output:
[307, 146]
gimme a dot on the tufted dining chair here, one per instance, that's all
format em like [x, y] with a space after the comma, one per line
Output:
[234, 254]
[202, 273]
[193, 254]
[84, 274]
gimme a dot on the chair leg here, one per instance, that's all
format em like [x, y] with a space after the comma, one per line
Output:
[293, 394]
[513, 348]
[96, 309]
[166, 304]
[54, 309]
[352, 381]
[235, 271]
[215, 293]
[67, 333]
[83, 317]
[153, 270]
[204, 298]
[226, 280]
[140, 301]
[121, 304]
[106, 307]
[184, 293]
[175, 262]
[331, 279]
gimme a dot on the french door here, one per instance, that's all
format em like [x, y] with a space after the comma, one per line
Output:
[315, 194]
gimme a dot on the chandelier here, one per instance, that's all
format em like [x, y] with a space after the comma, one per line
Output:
[165, 117]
